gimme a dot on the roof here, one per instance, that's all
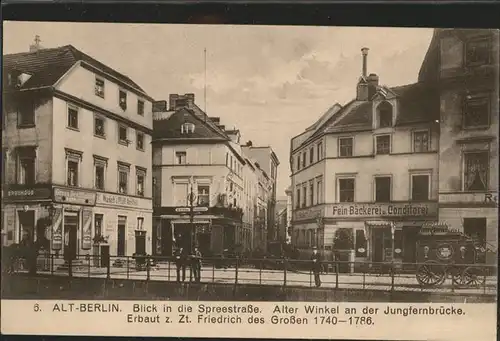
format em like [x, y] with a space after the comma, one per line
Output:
[47, 66]
[417, 103]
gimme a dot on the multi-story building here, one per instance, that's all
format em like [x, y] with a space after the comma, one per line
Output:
[462, 67]
[268, 163]
[195, 157]
[77, 154]
[365, 176]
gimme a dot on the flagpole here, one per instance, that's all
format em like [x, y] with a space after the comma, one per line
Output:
[205, 85]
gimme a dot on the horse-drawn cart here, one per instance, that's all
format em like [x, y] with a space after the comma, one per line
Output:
[443, 253]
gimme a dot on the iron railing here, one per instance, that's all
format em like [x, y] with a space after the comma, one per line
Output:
[264, 271]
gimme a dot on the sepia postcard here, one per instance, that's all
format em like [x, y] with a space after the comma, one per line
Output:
[205, 180]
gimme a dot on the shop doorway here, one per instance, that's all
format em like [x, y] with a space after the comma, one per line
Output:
[381, 244]
[203, 242]
[140, 242]
[70, 235]
[183, 236]
[165, 235]
[122, 228]
[26, 227]
[410, 237]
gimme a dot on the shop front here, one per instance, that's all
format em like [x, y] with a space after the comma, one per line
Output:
[26, 214]
[71, 233]
[122, 224]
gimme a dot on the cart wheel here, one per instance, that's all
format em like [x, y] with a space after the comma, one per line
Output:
[473, 276]
[456, 276]
[430, 273]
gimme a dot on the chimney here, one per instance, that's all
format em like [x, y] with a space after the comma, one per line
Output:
[159, 106]
[172, 98]
[372, 85]
[190, 99]
[215, 120]
[364, 52]
[36, 45]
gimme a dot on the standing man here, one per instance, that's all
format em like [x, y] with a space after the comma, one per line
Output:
[316, 266]
[196, 264]
[180, 264]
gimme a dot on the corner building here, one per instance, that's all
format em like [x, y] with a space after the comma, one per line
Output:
[365, 175]
[462, 66]
[77, 145]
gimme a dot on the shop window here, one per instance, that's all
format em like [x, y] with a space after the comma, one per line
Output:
[420, 141]
[383, 144]
[346, 190]
[141, 180]
[99, 87]
[345, 146]
[203, 195]
[123, 176]
[100, 166]
[398, 244]
[360, 243]
[420, 187]
[478, 52]
[476, 112]
[99, 129]
[98, 224]
[476, 166]
[72, 117]
[383, 189]
[26, 162]
[180, 157]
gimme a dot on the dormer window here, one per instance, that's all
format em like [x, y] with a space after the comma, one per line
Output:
[17, 79]
[187, 128]
[384, 111]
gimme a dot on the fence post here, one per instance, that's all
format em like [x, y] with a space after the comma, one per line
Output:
[89, 258]
[168, 269]
[70, 267]
[392, 275]
[236, 275]
[213, 270]
[285, 265]
[484, 277]
[128, 267]
[108, 268]
[148, 268]
[336, 274]
[51, 264]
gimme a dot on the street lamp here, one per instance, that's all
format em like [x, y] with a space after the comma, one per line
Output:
[191, 200]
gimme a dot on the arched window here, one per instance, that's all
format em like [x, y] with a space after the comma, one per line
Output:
[187, 128]
[384, 113]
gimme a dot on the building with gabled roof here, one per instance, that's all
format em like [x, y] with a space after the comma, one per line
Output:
[368, 172]
[77, 154]
[195, 153]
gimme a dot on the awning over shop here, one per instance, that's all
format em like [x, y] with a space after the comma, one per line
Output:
[379, 223]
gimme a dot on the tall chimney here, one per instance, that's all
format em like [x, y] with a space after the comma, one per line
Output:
[364, 52]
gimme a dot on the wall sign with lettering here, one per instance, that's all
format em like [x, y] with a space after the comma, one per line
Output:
[108, 199]
[87, 229]
[57, 229]
[25, 193]
[74, 196]
[353, 210]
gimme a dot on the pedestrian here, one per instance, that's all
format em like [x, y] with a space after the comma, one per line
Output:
[196, 265]
[180, 264]
[316, 266]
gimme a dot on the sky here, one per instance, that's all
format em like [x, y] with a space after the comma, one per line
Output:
[270, 82]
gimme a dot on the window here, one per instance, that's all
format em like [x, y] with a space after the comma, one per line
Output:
[99, 87]
[72, 173]
[345, 146]
[26, 166]
[420, 141]
[346, 190]
[304, 196]
[100, 165]
[99, 126]
[304, 157]
[122, 98]
[26, 113]
[98, 221]
[140, 141]
[181, 158]
[181, 194]
[360, 243]
[319, 191]
[187, 128]
[140, 107]
[385, 114]
[398, 244]
[477, 52]
[476, 166]
[123, 173]
[383, 189]
[72, 117]
[476, 111]
[311, 155]
[420, 187]
[297, 199]
[383, 144]
[140, 223]
[311, 193]
[122, 134]
[320, 150]
[298, 162]
[141, 179]
[203, 195]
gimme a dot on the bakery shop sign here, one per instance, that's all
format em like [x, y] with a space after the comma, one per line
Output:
[352, 210]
